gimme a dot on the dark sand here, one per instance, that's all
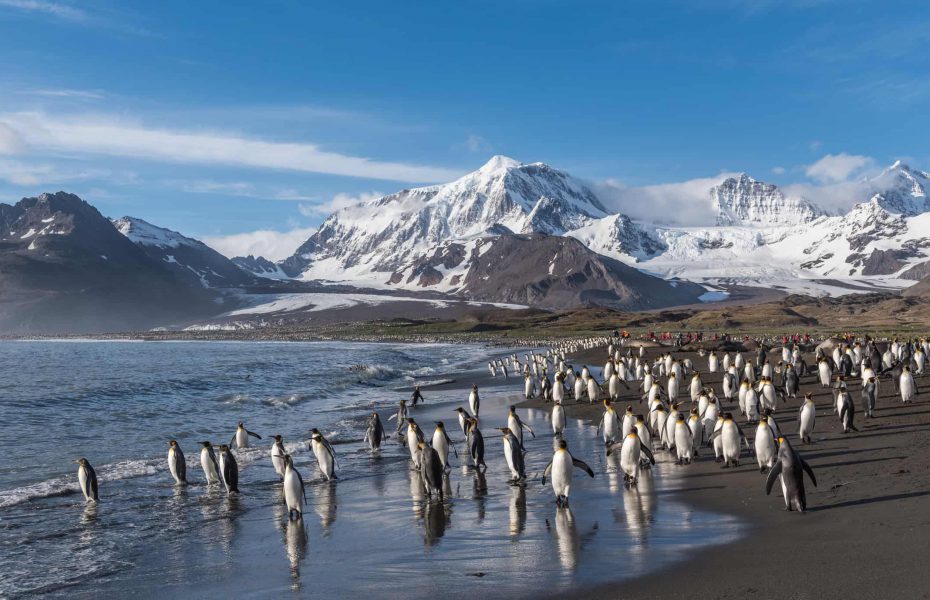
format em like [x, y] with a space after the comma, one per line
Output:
[865, 534]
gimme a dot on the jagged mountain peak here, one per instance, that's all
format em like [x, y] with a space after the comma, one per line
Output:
[902, 189]
[743, 200]
[504, 194]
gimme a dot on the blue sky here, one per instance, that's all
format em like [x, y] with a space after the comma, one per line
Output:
[218, 118]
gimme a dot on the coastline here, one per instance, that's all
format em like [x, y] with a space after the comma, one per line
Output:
[861, 536]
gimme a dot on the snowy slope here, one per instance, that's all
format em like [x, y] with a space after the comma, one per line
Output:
[188, 258]
[744, 201]
[431, 238]
[502, 196]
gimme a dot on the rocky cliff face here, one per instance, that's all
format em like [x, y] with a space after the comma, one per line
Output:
[64, 267]
[744, 201]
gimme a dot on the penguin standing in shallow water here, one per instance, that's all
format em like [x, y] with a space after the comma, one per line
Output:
[87, 478]
[464, 417]
[176, 463]
[324, 453]
[474, 402]
[295, 493]
[374, 434]
[561, 469]
[441, 442]
[432, 469]
[516, 425]
[230, 469]
[277, 456]
[475, 443]
[241, 437]
[209, 464]
[401, 416]
[631, 449]
[513, 453]
[414, 437]
[790, 467]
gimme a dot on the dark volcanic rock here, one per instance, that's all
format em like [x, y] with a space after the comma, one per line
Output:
[65, 268]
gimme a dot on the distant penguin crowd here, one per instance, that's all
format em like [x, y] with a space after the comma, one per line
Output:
[751, 387]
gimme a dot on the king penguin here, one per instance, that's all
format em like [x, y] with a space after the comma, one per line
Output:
[790, 467]
[176, 463]
[324, 453]
[241, 437]
[295, 493]
[87, 478]
[561, 469]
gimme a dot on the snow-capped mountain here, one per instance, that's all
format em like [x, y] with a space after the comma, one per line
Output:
[186, 257]
[901, 189]
[502, 196]
[744, 201]
[425, 238]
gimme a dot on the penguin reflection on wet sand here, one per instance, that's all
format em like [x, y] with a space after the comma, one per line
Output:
[790, 468]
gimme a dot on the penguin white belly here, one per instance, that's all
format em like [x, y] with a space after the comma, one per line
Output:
[172, 466]
[473, 403]
[614, 387]
[528, 388]
[558, 418]
[277, 460]
[242, 438]
[629, 456]
[558, 393]
[508, 455]
[208, 469]
[441, 446]
[579, 389]
[561, 473]
[729, 440]
[629, 422]
[718, 441]
[806, 425]
[825, 374]
[661, 426]
[710, 421]
[683, 442]
[293, 494]
[712, 364]
[670, 425]
[324, 458]
[611, 429]
[593, 390]
[765, 449]
[412, 442]
[82, 481]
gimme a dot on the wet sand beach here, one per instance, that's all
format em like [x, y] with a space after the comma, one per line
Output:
[866, 529]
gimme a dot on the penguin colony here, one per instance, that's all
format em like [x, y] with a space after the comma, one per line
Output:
[749, 385]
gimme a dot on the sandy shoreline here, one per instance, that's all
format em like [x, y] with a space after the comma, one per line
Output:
[866, 528]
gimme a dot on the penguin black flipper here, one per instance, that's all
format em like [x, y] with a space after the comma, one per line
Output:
[528, 428]
[216, 465]
[810, 472]
[253, 434]
[92, 482]
[303, 488]
[546, 472]
[583, 466]
[774, 472]
[332, 453]
[180, 466]
[645, 450]
[612, 447]
[232, 441]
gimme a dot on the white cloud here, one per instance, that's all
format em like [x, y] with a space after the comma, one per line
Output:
[54, 9]
[35, 174]
[338, 202]
[779, 170]
[113, 137]
[10, 141]
[475, 144]
[273, 245]
[835, 198]
[835, 168]
[683, 203]
[67, 93]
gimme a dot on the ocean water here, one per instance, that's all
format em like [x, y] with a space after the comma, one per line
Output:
[371, 531]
